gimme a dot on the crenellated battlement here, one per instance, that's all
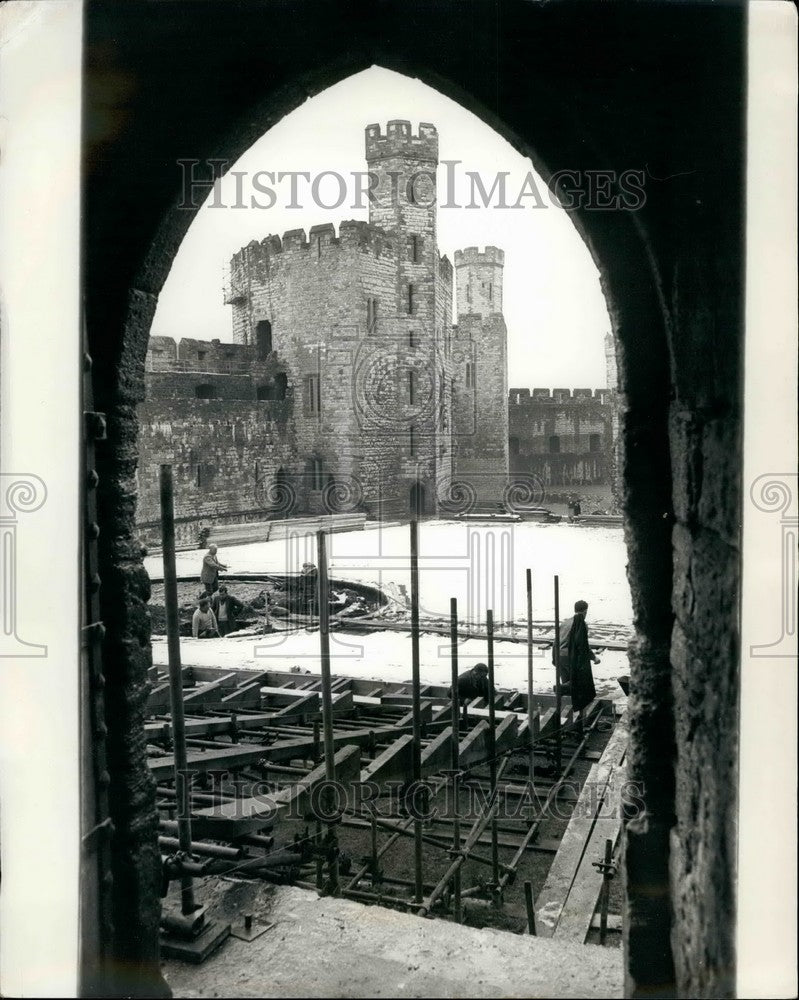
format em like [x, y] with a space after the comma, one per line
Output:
[472, 255]
[400, 140]
[527, 397]
[319, 239]
[165, 354]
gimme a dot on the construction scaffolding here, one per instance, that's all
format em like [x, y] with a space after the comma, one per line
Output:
[319, 781]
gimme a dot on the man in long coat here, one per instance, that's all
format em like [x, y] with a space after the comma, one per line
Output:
[575, 659]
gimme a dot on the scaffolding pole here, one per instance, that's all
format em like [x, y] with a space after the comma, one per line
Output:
[455, 758]
[556, 648]
[327, 697]
[479, 825]
[187, 903]
[530, 707]
[417, 708]
[492, 760]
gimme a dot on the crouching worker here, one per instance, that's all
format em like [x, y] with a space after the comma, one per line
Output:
[473, 684]
[226, 608]
[203, 621]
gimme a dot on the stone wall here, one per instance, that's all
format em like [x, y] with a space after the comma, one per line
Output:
[560, 437]
[224, 458]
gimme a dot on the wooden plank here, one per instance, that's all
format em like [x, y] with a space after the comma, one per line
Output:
[552, 898]
[438, 753]
[210, 692]
[547, 722]
[425, 713]
[395, 763]
[243, 755]
[579, 907]
[212, 725]
[302, 706]
[240, 817]
[280, 696]
[245, 694]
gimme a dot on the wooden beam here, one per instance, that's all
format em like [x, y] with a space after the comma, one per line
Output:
[553, 896]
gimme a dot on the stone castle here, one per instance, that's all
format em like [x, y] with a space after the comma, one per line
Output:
[347, 386]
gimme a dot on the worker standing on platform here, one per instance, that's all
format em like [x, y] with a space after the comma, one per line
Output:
[574, 661]
[209, 574]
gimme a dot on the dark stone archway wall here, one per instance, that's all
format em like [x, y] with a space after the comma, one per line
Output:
[655, 86]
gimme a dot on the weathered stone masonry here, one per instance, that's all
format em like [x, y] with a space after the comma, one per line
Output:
[560, 437]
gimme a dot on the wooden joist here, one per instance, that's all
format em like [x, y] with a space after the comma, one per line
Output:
[241, 817]
[551, 901]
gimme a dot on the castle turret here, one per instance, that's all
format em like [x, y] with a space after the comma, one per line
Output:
[402, 169]
[478, 278]
[481, 375]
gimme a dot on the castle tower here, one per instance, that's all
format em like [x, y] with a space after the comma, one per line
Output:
[402, 169]
[403, 176]
[479, 280]
[480, 364]
[411, 302]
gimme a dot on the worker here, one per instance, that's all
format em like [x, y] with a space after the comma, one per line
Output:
[226, 608]
[209, 574]
[472, 684]
[203, 621]
[574, 660]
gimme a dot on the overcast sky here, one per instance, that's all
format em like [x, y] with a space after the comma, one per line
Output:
[554, 308]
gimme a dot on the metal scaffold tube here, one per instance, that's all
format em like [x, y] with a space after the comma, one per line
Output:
[327, 696]
[556, 658]
[478, 827]
[492, 759]
[455, 757]
[416, 706]
[531, 715]
[187, 902]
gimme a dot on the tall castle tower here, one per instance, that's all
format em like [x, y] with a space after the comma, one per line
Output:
[402, 176]
[481, 375]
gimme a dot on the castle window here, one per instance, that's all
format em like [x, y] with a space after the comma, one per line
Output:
[513, 445]
[415, 249]
[312, 400]
[201, 355]
[199, 476]
[410, 298]
[469, 292]
[315, 473]
[411, 338]
[204, 391]
[594, 442]
[412, 440]
[554, 445]
[490, 292]
[371, 315]
[411, 387]
[470, 380]
[263, 338]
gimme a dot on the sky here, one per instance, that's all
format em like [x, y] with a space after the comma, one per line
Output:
[554, 309]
